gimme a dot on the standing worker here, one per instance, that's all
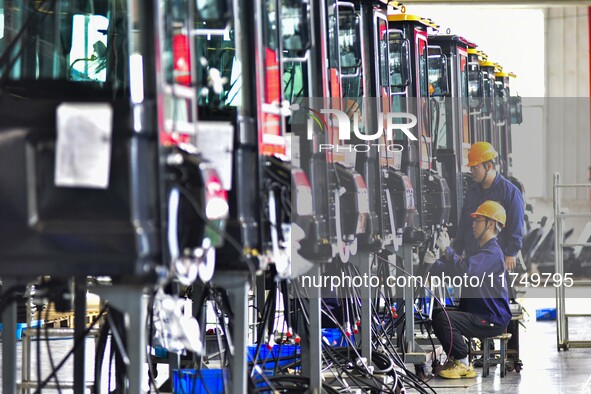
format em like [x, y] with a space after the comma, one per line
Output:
[484, 307]
[488, 184]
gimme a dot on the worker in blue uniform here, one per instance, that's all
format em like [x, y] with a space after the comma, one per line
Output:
[490, 185]
[484, 306]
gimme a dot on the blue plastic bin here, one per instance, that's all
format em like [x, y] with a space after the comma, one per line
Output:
[335, 337]
[289, 352]
[193, 381]
[259, 378]
[546, 314]
[20, 327]
[160, 352]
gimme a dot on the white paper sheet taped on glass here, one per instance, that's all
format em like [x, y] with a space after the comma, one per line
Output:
[215, 141]
[83, 149]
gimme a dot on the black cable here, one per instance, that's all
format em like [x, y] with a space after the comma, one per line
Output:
[416, 380]
[101, 348]
[150, 325]
[118, 340]
[51, 363]
[394, 354]
[77, 343]
[413, 380]
[362, 369]
[298, 384]
[287, 304]
[344, 354]
[222, 306]
[266, 312]
[443, 308]
[329, 390]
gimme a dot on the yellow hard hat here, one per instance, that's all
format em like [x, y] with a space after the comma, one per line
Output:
[481, 152]
[492, 210]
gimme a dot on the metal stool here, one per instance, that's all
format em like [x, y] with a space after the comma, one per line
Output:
[487, 360]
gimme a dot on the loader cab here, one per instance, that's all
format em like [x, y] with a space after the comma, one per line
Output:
[475, 94]
[303, 87]
[488, 90]
[102, 74]
[431, 189]
[450, 119]
[502, 135]
[509, 109]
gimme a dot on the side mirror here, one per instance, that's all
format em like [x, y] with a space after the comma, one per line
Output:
[212, 11]
[438, 78]
[515, 109]
[295, 25]
[399, 59]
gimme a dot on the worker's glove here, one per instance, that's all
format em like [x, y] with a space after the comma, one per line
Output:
[430, 258]
[415, 258]
[443, 241]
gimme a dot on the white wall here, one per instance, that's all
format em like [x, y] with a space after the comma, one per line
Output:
[548, 49]
[567, 104]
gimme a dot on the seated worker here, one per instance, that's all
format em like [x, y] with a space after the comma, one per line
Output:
[484, 305]
[488, 184]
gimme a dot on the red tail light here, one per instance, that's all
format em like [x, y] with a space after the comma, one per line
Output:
[271, 141]
[182, 59]
[216, 197]
[173, 139]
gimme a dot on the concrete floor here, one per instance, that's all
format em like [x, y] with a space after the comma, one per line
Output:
[545, 370]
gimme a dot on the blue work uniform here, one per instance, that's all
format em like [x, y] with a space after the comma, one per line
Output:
[506, 194]
[484, 308]
[487, 297]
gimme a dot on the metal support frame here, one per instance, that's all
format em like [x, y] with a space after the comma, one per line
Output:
[28, 385]
[236, 285]
[363, 261]
[312, 344]
[562, 341]
[415, 353]
[259, 299]
[408, 294]
[409, 298]
[174, 359]
[131, 300]
[9, 343]
[79, 328]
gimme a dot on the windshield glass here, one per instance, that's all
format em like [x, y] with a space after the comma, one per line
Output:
[47, 40]
[218, 70]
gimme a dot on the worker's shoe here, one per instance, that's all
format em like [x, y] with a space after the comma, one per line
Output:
[458, 371]
[449, 363]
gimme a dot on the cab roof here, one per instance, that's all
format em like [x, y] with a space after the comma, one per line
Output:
[452, 37]
[412, 18]
[487, 63]
[505, 74]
